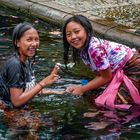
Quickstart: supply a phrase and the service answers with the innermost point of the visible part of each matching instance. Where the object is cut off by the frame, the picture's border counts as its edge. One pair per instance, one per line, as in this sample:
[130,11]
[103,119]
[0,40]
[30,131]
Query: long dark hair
[82,20]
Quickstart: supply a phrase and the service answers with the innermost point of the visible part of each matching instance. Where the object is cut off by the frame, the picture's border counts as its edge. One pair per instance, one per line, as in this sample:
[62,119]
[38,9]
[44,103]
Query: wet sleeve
[15,75]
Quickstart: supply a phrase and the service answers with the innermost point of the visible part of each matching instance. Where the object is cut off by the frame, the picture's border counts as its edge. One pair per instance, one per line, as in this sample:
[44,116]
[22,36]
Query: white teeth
[31,49]
[75,42]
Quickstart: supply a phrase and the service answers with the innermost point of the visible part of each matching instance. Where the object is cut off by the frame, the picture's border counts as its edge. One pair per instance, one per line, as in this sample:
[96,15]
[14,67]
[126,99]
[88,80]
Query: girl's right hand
[75,90]
[70,89]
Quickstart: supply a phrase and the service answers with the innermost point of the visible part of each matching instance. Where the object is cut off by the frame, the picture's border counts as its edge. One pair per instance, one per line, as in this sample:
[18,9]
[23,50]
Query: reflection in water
[58,117]
[22,124]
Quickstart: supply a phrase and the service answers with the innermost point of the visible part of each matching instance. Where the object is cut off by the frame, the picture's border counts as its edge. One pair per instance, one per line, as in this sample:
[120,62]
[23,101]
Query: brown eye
[68,34]
[77,31]
[37,39]
[29,39]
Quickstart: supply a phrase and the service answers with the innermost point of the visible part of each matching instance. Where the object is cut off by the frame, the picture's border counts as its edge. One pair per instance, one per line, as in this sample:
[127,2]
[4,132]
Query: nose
[73,35]
[35,43]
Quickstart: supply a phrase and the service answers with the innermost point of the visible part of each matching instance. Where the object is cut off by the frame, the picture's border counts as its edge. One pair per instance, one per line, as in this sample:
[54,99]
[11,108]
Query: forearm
[26,96]
[95,83]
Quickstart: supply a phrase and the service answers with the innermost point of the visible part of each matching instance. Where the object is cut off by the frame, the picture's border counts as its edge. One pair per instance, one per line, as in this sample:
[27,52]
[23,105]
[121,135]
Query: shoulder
[96,46]
[12,62]
[94,43]
[94,40]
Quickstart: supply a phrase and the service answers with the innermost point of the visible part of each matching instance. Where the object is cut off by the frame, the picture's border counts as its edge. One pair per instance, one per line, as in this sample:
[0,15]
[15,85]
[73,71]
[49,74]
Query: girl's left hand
[52,78]
[55,70]
[75,90]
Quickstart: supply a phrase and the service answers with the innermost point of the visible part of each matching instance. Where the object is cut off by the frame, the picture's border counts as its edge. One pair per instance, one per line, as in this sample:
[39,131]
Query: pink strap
[107,98]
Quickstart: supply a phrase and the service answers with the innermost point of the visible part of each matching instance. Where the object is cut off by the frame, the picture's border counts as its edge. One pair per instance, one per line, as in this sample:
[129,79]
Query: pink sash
[107,98]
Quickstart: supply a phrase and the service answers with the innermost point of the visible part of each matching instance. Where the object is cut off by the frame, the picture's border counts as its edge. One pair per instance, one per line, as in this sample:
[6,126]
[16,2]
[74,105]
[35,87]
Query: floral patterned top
[104,54]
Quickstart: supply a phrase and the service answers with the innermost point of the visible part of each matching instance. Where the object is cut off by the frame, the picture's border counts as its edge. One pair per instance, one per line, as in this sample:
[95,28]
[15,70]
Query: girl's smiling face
[76,35]
[28,44]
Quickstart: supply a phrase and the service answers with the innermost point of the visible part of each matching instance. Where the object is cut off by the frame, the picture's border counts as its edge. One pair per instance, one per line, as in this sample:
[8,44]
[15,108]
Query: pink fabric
[107,98]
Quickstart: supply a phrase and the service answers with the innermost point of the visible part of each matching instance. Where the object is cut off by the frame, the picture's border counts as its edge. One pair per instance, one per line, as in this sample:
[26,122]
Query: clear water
[58,117]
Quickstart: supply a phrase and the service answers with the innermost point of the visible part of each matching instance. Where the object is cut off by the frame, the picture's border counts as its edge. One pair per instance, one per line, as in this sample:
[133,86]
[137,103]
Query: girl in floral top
[116,65]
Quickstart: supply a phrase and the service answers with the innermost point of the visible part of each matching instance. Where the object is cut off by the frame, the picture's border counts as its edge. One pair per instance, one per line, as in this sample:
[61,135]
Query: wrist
[41,85]
[83,88]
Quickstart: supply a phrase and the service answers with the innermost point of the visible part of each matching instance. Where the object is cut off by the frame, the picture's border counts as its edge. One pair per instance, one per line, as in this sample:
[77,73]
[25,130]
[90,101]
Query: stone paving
[124,12]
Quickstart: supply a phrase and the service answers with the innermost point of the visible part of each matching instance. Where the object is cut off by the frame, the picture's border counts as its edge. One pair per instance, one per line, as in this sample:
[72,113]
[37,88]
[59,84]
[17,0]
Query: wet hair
[18,32]
[85,23]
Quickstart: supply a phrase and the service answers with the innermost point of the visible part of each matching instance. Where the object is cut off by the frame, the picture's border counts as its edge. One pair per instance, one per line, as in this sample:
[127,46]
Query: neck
[23,58]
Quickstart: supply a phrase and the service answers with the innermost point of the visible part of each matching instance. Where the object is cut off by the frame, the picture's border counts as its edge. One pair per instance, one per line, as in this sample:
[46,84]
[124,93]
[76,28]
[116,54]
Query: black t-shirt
[15,74]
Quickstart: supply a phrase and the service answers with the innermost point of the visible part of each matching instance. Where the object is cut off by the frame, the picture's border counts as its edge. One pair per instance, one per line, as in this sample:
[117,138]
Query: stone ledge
[56,13]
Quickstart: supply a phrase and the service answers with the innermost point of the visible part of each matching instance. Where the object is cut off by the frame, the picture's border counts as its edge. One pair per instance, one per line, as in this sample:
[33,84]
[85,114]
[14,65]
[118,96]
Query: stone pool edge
[56,14]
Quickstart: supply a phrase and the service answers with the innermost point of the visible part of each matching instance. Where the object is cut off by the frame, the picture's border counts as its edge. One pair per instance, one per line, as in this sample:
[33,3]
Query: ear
[17,43]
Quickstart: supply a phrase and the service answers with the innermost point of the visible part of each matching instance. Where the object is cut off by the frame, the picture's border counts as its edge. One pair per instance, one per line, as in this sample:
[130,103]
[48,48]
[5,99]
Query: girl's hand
[75,90]
[52,91]
[52,78]
[55,69]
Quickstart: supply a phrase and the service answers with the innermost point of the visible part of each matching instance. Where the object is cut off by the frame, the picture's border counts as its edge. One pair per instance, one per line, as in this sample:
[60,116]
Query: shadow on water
[58,117]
